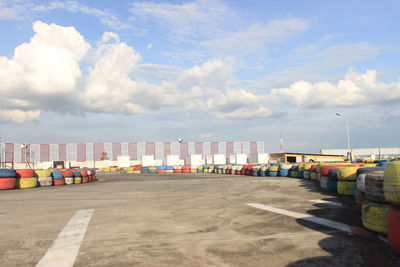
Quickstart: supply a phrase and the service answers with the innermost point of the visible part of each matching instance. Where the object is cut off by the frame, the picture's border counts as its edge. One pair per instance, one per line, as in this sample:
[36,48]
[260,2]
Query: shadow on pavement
[360,248]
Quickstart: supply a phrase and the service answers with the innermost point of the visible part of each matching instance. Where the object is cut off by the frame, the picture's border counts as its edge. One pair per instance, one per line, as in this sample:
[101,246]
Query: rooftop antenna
[281,142]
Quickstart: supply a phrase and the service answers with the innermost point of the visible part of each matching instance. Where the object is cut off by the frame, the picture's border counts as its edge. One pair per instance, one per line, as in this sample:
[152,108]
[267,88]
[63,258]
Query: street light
[348,133]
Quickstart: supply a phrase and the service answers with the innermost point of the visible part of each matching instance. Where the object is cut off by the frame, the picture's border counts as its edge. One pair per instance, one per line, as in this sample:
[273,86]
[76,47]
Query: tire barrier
[25,173]
[374,187]
[27,182]
[283,172]
[393,228]
[391,183]
[43,173]
[361,173]
[332,175]
[59,182]
[374,216]
[314,176]
[69,180]
[347,173]
[345,187]
[45,181]
[8,173]
[8,183]
[331,186]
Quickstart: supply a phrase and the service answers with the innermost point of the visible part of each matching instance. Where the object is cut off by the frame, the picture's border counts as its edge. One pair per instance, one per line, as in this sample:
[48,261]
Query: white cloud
[149,46]
[44,73]
[18,116]
[354,90]
[17,10]
[257,35]
[197,19]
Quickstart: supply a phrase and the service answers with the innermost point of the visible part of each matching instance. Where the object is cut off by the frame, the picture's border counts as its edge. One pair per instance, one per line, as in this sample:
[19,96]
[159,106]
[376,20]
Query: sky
[201,70]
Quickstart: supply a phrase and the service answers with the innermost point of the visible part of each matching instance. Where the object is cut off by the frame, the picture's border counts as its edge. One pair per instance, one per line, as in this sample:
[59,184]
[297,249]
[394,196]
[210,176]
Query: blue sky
[211,70]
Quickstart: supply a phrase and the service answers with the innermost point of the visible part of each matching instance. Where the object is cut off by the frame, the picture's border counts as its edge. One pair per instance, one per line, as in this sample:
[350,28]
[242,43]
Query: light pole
[348,133]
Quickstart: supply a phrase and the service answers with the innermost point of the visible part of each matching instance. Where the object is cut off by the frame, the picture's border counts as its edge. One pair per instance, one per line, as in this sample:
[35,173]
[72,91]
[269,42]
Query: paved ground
[187,220]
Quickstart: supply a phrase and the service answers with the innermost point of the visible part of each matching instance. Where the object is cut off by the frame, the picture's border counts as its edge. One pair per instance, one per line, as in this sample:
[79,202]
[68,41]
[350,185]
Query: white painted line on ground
[329,223]
[66,246]
[320,201]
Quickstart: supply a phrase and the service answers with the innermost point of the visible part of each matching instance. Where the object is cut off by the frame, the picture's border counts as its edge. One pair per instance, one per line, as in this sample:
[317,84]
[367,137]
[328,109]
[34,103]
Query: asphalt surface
[188,220]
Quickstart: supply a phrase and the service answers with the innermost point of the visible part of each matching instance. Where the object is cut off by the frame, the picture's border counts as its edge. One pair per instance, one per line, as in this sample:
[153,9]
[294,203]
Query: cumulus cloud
[42,71]
[354,90]
[45,74]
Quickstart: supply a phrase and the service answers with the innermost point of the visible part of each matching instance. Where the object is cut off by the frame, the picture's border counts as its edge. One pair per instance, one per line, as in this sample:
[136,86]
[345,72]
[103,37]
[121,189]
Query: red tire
[84,173]
[85,179]
[7,183]
[25,173]
[394,228]
[178,171]
[68,174]
[59,181]
[160,171]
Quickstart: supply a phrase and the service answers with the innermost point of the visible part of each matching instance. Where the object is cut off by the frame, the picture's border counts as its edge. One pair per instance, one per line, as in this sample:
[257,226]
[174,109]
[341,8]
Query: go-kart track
[186,220]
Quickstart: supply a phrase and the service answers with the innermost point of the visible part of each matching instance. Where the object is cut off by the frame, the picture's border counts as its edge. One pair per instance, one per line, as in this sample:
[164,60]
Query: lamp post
[348,133]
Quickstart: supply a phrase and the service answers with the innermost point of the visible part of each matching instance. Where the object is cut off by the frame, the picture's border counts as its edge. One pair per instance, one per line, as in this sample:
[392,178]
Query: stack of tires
[211,168]
[152,169]
[137,169]
[58,178]
[186,169]
[84,175]
[300,171]
[144,170]
[254,170]
[391,189]
[8,179]
[161,169]
[206,169]
[193,169]
[284,169]
[44,177]
[375,208]
[200,169]
[347,179]
[77,177]
[169,169]
[177,169]
[328,176]
[273,170]
[26,179]
[68,177]
[307,170]
[314,172]
[294,171]
[262,171]
[361,174]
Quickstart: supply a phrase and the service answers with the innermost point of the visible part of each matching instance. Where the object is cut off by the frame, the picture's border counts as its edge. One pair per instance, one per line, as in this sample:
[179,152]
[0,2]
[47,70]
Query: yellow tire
[43,173]
[137,171]
[374,216]
[307,166]
[391,183]
[113,169]
[106,169]
[27,182]
[193,170]
[347,173]
[129,172]
[273,168]
[77,180]
[205,170]
[345,187]
[314,176]
[301,167]
[294,174]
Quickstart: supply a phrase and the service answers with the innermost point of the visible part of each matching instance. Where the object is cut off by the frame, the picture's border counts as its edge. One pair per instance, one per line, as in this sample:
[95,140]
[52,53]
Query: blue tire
[77,174]
[8,173]
[262,174]
[57,175]
[300,175]
[161,167]
[331,186]
[255,173]
[273,174]
[283,173]
[200,171]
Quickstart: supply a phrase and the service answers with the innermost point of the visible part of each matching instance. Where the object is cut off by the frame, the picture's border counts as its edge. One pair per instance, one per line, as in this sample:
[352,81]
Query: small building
[303,157]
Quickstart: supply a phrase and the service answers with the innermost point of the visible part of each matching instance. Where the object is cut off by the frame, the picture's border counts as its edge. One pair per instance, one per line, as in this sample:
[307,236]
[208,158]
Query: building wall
[365,152]
[87,152]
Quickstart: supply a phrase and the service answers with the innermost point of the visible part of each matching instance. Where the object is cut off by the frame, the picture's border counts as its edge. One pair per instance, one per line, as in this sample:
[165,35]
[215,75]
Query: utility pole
[281,142]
